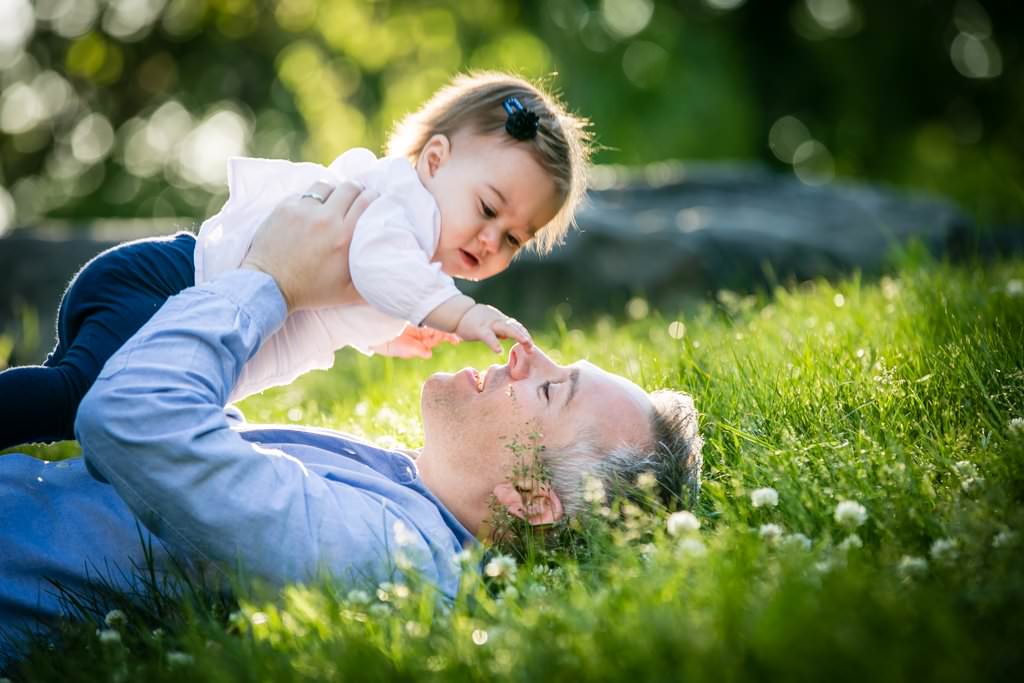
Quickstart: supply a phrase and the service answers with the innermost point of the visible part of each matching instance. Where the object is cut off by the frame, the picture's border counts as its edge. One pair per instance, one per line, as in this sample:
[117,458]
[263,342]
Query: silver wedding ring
[313,195]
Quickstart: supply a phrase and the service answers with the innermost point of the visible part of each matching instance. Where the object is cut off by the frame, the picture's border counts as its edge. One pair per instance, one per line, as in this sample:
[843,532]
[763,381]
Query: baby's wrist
[450,313]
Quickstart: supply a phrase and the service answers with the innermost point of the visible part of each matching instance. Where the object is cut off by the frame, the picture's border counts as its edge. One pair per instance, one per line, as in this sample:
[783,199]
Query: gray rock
[677,232]
[671,232]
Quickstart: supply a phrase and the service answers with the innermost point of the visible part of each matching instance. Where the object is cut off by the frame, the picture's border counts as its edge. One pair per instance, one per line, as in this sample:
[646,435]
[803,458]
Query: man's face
[473,418]
[493,197]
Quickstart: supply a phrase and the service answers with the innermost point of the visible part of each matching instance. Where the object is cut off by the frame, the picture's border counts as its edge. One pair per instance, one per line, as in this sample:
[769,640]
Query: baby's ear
[434,154]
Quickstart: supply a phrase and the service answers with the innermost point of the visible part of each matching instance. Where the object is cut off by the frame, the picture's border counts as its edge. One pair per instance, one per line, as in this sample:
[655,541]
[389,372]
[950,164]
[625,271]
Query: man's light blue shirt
[284,504]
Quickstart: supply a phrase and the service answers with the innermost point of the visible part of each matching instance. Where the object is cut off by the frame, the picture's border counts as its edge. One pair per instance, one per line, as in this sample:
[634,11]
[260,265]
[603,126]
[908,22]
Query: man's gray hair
[673,456]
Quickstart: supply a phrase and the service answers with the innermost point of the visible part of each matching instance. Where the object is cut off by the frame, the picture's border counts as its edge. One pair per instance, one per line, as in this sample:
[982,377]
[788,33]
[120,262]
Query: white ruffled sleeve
[255,187]
[389,258]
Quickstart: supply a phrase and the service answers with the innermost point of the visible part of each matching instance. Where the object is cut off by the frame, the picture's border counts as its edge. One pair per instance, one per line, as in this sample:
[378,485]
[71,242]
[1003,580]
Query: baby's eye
[487,211]
[512,240]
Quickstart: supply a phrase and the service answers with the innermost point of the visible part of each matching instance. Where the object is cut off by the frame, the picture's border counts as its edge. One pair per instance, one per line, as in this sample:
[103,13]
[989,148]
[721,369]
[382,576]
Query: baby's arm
[477,322]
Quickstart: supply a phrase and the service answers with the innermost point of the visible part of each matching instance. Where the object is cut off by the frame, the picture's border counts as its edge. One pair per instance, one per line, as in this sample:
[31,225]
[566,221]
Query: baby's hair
[473,102]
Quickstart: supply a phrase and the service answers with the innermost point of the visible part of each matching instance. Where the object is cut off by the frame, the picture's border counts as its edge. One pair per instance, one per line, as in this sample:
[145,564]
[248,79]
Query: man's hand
[488,324]
[304,245]
[415,342]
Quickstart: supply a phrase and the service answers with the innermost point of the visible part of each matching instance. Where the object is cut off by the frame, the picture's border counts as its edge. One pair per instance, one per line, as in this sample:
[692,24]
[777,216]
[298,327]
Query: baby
[488,166]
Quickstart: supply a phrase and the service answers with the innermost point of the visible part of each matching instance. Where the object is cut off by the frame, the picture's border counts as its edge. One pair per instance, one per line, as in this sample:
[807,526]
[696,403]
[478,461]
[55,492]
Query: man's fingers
[319,192]
[342,195]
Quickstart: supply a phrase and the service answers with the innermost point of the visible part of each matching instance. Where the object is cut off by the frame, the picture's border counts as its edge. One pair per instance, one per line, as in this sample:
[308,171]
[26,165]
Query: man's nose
[518,362]
[521,361]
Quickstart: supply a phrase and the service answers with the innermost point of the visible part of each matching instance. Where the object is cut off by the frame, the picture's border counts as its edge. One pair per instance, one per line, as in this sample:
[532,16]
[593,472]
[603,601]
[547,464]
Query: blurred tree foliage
[129,107]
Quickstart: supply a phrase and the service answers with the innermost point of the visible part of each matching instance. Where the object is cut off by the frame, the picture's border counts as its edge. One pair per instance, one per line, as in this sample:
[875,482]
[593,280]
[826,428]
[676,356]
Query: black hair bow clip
[522,123]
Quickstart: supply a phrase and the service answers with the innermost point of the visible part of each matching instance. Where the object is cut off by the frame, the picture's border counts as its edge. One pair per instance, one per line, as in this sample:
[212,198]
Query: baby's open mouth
[469,259]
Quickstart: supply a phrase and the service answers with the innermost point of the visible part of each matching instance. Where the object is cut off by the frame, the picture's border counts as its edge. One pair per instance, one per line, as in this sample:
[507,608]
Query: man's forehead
[604,392]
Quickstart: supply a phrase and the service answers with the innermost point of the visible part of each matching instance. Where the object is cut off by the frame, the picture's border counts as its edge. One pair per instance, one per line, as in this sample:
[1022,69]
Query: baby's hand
[488,324]
[414,342]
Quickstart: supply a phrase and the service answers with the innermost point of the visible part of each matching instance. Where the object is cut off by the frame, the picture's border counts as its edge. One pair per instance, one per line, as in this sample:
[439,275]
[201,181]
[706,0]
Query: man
[291,504]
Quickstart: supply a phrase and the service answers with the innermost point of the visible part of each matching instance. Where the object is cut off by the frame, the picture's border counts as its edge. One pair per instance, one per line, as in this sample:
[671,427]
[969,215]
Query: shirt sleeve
[389,260]
[153,426]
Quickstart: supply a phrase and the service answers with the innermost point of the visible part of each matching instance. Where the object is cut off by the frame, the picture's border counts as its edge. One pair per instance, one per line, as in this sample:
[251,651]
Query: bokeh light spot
[21,109]
[17,21]
[637,308]
[644,63]
[813,164]
[7,211]
[625,18]
[785,136]
[976,57]
[92,139]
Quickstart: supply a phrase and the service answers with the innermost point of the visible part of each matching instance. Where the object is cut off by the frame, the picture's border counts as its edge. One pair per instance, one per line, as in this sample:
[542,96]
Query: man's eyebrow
[574,383]
[497,192]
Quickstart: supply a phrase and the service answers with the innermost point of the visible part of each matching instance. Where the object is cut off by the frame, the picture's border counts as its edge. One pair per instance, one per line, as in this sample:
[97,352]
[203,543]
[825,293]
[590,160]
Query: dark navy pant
[105,304]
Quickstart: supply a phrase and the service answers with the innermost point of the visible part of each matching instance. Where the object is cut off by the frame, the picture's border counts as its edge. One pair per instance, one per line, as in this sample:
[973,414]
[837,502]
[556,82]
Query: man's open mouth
[481,379]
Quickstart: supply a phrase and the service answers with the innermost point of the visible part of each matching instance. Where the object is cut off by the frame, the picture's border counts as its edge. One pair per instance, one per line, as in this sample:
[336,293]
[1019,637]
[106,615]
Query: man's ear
[434,155]
[536,504]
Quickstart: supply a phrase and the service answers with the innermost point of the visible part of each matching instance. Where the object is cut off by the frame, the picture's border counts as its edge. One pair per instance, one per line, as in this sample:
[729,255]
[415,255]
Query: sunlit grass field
[887,417]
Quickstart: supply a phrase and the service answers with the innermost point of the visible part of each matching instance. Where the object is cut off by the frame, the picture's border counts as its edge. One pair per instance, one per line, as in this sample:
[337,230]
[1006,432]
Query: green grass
[898,394]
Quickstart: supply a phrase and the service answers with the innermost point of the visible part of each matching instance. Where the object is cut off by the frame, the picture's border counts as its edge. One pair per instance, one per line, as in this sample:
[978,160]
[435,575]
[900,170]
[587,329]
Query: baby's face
[493,197]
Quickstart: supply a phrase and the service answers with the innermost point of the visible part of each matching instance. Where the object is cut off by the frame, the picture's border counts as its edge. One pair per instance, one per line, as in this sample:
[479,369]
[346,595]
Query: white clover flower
[681,522]
[379,609]
[400,591]
[593,490]
[1004,538]
[911,566]
[850,513]
[403,535]
[1014,287]
[764,497]
[358,597]
[108,636]
[157,633]
[966,469]
[115,618]
[501,567]
[944,550]
[692,547]
[770,532]
[851,541]
[463,558]
[823,566]
[972,484]
[1016,426]
[796,540]
[647,481]
[175,659]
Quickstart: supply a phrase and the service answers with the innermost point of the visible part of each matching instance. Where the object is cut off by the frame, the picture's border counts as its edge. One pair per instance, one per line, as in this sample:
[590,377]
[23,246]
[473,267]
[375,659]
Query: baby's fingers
[510,328]
[489,338]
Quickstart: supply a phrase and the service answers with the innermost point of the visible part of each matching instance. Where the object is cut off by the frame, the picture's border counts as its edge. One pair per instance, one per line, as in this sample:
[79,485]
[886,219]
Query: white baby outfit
[389,259]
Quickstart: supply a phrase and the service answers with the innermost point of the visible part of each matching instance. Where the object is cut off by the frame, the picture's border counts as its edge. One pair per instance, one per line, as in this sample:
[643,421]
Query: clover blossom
[911,566]
[770,532]
[681,522]
[764,497]
[944,550]
[850,513]
[115,618]
[501,567]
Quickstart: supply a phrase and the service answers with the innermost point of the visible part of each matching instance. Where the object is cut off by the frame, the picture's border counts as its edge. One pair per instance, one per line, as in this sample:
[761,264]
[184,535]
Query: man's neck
[453,496]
